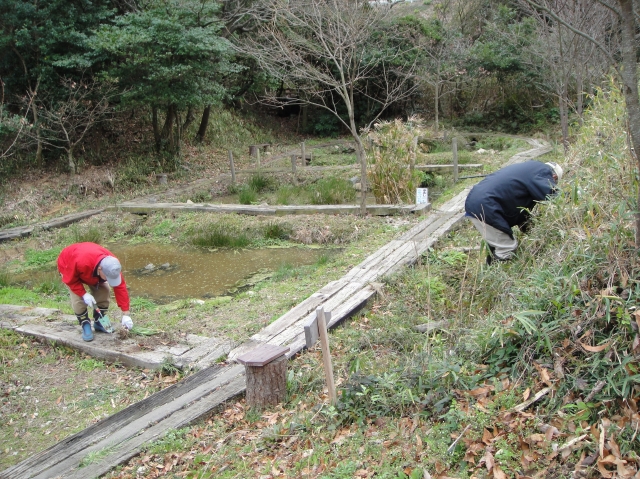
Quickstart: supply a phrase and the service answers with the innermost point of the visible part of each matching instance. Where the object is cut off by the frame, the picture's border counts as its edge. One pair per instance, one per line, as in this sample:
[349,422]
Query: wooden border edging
[24,231]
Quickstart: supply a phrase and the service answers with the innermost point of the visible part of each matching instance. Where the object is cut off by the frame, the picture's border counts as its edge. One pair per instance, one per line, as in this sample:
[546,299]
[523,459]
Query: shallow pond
[165,273]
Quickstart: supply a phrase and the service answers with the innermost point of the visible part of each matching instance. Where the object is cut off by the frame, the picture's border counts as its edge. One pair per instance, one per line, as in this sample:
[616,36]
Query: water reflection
[165,272]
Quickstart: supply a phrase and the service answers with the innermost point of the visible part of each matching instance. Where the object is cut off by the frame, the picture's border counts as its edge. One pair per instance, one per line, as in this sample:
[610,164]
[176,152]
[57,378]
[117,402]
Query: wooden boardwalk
[122,436]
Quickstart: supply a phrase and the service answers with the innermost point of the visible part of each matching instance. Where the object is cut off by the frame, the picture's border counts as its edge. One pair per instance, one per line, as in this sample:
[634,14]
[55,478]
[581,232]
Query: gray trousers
[100,292]
[504,245]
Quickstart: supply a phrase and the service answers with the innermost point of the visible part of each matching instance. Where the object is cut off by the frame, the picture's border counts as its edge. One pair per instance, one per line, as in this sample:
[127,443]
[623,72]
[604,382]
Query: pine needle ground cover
[530,368]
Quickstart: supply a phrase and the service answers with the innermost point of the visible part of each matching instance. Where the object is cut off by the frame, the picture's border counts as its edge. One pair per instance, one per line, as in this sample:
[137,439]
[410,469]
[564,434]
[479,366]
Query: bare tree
[64,124]
[12,123]
[328,53]
[444,51]
[627,17]
[567,57]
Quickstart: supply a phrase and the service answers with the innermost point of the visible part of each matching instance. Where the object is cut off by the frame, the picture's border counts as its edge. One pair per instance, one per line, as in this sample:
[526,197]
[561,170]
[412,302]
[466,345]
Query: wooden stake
[323,319]
[294,160]
[233,169]
[414,147]
[258,157]
[455,159]
[304,156]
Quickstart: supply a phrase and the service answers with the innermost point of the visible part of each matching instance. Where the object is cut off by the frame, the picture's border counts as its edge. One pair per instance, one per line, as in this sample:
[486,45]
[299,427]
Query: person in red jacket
[91,265]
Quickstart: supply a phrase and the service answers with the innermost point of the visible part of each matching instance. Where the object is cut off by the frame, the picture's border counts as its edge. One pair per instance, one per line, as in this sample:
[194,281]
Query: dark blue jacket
[505,198]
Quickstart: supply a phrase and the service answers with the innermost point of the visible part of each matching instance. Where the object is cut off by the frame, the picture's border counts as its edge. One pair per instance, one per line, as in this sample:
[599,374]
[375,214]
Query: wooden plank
[365,275]
[301,310]
[447,168]
[373,259]
[346,309]
[208,350]
[24,231]
[72,339]
[136,444]
[146,208]
[285,335]
[171,398]
[261,355]
[311,333]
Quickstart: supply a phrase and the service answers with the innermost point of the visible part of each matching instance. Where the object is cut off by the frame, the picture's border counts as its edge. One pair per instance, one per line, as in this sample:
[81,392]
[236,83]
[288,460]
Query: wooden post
[266,371]
[414,147]
[233,169]
[258,157]
[304,156]
[294,160]
[323,319]
[455,159]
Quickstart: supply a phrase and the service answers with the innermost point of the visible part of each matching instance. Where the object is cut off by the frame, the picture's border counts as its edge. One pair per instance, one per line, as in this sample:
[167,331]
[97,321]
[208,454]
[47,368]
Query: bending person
[504,199]
[91,265]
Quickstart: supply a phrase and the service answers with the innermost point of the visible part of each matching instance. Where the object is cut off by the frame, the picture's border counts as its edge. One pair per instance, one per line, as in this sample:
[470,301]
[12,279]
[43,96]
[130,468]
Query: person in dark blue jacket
[504,199]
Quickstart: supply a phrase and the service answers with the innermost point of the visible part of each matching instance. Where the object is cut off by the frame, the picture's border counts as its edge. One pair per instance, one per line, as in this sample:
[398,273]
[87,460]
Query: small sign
[422,196]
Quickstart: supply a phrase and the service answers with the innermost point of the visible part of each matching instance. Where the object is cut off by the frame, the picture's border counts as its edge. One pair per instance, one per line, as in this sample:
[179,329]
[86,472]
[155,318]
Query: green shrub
[260,183]
[41,258]
[392,151]
[331,191]
[134,172]
[277,231]
[92,234]
[286,194]
[50,283]
[495,143]
[5,279]
[247,196]
[219,236]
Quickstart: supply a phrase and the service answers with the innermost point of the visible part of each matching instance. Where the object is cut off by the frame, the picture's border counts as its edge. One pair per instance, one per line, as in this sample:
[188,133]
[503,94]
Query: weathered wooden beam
[60,222]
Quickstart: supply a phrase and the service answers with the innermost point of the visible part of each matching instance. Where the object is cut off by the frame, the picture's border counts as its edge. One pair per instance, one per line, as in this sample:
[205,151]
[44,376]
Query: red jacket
[78,264]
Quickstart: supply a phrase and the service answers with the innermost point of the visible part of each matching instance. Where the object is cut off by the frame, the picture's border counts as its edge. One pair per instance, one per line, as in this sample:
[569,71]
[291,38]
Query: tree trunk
[436,105]
[564,117]
[167,128]
[204,123]
[178,134]
[630,80]
[580,93]
[39,159]
[360,153]
[267,385]
[437,99]
[70,162]
[189,119]
[157,136]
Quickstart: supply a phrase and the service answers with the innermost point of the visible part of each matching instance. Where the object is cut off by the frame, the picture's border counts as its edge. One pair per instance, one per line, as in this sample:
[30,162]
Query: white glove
[88,299]
[126,322]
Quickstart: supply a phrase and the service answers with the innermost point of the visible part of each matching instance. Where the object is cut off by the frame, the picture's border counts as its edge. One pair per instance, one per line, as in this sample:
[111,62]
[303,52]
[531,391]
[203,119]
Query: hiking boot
[87,334]
[97,325]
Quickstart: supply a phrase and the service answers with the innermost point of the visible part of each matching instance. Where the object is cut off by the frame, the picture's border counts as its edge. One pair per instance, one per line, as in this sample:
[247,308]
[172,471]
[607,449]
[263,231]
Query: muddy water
[165,273]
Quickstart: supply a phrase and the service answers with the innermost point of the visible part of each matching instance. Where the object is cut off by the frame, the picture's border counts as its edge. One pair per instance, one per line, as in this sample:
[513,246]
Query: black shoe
[97,325]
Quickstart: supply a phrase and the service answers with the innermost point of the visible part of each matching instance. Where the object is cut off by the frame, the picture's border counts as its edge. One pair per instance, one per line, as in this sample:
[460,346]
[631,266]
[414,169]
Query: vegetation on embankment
[532,369]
